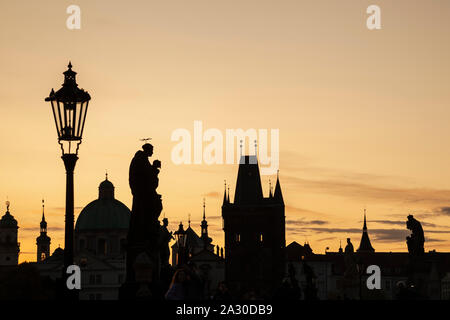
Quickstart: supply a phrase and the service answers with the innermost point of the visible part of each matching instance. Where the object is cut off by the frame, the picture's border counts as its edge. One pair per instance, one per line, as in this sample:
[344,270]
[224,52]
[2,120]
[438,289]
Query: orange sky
[363,115]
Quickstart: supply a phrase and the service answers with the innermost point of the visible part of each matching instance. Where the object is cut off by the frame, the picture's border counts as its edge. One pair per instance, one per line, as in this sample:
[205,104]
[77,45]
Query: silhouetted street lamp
[69,106]
[180,235]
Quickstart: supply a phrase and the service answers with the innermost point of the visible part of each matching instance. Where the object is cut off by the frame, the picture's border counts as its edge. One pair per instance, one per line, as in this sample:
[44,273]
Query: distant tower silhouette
[226,199]
[365,245]
[43,241]
[204,226]
[254,229]
[9,247]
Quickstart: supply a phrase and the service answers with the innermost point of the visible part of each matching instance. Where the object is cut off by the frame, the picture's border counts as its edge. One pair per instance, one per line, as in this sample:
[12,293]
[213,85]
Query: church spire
[270,189]
[225,193]
[43,241]
[365,224]
[204,214]
[43,222]
[204,228]
[278,194]
[365,245]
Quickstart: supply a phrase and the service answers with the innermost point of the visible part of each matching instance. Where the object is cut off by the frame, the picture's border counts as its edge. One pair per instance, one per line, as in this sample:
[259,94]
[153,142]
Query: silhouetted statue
[416,240]
[349,247]
[166,237]
[144,240]
[351,270]
[350,261]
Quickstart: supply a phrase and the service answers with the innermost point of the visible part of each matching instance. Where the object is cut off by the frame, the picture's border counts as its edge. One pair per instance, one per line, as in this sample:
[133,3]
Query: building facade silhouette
[254,228]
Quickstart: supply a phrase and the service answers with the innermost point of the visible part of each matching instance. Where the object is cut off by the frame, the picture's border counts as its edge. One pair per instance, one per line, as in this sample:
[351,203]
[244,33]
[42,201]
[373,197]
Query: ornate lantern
[69,106]
[180,235]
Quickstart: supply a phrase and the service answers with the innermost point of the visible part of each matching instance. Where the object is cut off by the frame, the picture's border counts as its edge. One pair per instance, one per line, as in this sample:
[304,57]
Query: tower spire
[43,241]
[365,224]
[270,189]
[204,214]
[365,245]
[204,228]
[278,194]
[43,209]
[225,192]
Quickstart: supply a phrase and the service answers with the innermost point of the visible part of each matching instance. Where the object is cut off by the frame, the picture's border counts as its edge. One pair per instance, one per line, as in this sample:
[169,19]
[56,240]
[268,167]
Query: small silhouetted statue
[349,247]
[349,259]
[351,270]
[416,240]
[144,239]
[166,237]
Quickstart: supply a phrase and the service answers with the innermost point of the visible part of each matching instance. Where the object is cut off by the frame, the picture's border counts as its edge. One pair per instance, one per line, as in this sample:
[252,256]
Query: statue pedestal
[143,275]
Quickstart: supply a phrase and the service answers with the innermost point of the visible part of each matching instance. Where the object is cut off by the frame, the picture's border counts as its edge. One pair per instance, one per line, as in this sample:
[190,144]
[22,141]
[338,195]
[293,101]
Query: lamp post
[69,107]
[180,235]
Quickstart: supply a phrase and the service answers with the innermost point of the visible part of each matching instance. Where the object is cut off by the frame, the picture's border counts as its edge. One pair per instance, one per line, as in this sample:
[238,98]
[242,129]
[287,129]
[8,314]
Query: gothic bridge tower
[254,229]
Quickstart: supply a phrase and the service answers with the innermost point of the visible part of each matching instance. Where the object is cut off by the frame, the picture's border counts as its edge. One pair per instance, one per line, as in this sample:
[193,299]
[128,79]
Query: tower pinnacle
[204,215]
[365,245]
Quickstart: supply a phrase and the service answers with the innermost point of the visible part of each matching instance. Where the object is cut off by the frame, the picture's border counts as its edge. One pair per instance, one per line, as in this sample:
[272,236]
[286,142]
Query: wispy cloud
[403,223]
[371,192]
[296,210]
[327,239]
[304,222]
[443,211]
[212,194]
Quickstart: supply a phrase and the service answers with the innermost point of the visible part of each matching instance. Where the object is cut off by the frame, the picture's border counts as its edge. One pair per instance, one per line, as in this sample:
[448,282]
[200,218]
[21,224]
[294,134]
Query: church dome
[105,213]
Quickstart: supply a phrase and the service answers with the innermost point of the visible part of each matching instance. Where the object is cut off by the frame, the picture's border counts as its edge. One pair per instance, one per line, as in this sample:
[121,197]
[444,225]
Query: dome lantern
[106,189]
